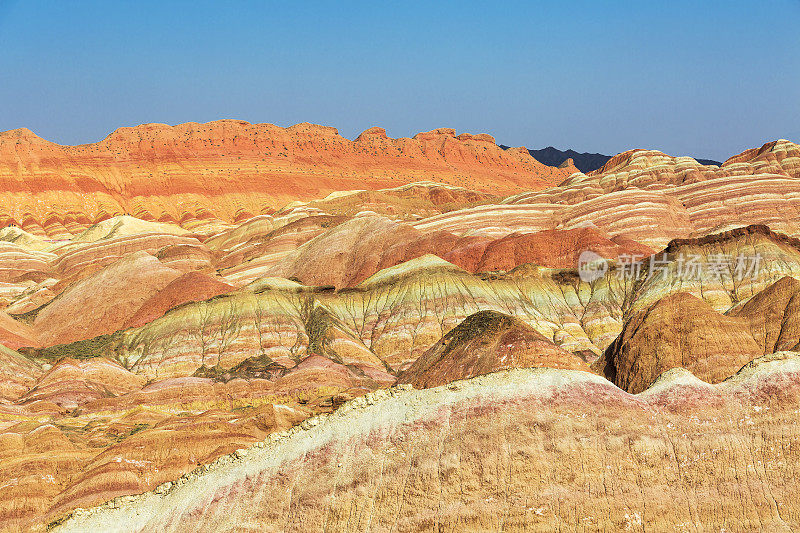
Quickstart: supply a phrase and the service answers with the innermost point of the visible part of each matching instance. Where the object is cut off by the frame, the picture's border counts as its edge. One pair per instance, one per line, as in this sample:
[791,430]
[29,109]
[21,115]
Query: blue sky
[691,78]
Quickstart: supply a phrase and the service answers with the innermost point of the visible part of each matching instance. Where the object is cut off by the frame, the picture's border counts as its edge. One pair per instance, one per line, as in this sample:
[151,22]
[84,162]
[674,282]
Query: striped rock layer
[189,306]
[652,198]
[231,169]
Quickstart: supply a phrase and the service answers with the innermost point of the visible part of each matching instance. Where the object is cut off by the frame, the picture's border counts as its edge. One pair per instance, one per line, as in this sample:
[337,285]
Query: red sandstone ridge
[352,251]
[104,302]
[374,132]
[229,168]
[553,248]
[191,287]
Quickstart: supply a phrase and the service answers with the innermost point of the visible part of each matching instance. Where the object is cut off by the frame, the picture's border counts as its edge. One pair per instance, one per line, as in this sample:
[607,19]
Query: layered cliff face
[231,170]
[215,308]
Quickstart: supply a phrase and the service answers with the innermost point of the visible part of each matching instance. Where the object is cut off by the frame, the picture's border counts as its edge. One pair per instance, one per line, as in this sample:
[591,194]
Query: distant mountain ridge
[233,170]
[585,162]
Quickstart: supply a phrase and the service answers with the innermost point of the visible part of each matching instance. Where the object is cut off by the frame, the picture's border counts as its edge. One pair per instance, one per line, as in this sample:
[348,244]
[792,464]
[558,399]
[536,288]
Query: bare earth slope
[521,450]
[483,343]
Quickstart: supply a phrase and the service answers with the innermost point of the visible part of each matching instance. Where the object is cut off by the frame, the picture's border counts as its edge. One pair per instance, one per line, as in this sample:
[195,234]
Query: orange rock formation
[231,169]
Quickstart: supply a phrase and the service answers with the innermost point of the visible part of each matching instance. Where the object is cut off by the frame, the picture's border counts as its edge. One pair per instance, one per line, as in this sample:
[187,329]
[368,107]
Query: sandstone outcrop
[774,316]
[483,343]
[683,331]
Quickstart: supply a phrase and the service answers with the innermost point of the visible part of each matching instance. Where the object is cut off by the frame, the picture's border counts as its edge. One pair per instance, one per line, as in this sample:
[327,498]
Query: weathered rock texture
[483,343]
[773,316]
[103,302]
[231,169]
[678,331]
[652,198]
[525,450]
[165,300]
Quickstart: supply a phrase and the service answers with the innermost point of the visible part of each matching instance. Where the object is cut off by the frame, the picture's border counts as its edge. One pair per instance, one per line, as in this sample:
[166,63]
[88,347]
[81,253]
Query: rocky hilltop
[583,161]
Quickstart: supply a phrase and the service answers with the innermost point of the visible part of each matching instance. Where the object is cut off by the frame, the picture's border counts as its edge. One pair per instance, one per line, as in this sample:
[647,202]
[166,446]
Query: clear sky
[700,78]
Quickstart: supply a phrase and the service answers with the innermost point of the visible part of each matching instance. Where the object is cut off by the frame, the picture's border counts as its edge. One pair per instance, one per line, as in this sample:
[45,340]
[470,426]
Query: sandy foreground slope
[526,449]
